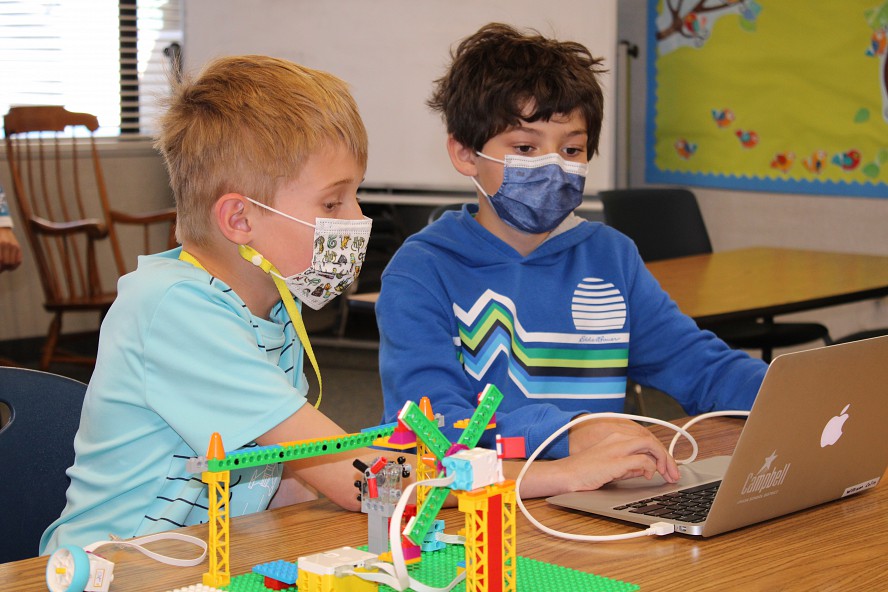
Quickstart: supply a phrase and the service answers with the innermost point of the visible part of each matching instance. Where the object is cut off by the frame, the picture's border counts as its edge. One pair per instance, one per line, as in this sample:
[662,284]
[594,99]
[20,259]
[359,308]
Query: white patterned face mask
[339,250]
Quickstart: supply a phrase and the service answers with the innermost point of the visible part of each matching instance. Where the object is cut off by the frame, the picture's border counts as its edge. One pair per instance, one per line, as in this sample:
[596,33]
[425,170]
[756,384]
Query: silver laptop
[816,433]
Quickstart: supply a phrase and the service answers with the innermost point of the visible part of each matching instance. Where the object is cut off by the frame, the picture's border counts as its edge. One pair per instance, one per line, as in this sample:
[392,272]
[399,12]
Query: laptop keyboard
[687,505]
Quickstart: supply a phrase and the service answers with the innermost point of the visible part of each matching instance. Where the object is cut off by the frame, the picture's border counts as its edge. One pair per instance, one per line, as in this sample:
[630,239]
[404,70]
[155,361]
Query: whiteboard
[390,52]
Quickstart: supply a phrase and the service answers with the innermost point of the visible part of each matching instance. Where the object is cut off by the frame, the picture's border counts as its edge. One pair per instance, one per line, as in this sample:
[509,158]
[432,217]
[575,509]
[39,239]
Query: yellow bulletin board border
[769,95]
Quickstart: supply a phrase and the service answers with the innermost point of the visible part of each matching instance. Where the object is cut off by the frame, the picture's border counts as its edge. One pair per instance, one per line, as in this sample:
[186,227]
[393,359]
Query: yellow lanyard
[253,256]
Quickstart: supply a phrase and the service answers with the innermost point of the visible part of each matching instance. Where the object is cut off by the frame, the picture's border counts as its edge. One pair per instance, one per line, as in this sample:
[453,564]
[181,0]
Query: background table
[759,281]
[837,546]
[767,281]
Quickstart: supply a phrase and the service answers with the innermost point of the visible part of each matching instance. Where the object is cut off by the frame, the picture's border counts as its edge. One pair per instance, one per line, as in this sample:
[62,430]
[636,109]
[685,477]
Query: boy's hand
[619,456]
[591,432]
[10,251]
[613,450]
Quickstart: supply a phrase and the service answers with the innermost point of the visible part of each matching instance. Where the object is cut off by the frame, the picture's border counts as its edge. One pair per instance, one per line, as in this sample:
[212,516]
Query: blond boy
[265,158]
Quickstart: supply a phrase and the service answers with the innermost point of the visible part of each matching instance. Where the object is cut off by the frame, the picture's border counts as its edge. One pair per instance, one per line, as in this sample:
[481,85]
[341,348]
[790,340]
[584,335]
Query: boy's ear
[230,214]
[462,157]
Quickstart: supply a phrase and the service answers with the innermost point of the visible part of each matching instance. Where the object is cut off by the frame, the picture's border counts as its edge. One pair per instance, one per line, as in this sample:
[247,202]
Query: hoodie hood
[459,234]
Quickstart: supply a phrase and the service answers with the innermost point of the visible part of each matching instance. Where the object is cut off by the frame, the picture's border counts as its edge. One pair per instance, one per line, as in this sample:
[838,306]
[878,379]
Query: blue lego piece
[431,545]
[252,582]
[280,570]
[463,471]
[431,542]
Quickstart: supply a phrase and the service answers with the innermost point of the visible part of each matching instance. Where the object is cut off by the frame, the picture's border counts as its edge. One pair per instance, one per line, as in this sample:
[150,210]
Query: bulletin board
[769,95]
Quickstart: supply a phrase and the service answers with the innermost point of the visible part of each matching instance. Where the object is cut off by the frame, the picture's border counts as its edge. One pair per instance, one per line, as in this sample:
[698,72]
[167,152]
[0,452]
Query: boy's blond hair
[247,124]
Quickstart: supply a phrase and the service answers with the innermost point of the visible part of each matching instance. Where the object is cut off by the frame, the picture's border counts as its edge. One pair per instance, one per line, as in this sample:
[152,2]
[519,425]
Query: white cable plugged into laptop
[698,419]
[656,529]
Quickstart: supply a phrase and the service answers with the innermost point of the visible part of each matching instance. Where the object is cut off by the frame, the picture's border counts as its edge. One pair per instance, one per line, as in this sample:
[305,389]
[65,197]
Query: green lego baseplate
[438,568]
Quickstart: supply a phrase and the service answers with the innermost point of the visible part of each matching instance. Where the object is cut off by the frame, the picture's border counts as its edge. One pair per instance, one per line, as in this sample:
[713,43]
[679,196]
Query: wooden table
[767,281]
[837,546]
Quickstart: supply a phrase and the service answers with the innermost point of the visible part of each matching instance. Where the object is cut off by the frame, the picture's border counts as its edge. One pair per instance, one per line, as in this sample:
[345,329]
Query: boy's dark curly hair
[498,72]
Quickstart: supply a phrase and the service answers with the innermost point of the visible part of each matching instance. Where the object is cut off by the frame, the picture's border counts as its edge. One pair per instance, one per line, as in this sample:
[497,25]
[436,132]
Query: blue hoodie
[557,331]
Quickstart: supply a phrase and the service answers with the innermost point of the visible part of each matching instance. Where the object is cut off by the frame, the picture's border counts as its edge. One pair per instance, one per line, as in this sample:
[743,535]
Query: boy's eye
[573,151]
[524,149]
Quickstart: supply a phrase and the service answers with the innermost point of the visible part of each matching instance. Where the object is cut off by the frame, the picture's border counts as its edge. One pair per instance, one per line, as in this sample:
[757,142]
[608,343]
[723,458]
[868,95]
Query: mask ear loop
[254,257]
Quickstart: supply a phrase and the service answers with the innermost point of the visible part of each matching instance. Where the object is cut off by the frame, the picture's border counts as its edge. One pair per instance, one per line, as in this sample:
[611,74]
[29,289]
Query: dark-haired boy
[519,292]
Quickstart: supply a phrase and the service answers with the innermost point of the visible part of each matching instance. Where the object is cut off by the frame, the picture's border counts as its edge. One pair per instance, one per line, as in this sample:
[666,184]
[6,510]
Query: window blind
[111,58]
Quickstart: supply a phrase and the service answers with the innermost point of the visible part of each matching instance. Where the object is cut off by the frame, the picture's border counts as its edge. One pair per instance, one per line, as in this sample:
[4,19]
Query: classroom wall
[137,181]
[738,219]
[390,52]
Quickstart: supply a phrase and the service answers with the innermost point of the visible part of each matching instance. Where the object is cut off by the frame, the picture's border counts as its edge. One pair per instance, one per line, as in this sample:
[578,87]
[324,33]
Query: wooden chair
[59,187]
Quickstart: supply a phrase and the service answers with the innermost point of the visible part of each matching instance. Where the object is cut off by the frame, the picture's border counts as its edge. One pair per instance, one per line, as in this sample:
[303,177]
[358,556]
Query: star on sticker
[768,461]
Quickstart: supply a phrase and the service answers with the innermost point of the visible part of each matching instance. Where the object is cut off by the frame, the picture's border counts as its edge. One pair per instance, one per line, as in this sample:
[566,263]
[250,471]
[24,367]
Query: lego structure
[486,498]
[216,466]
[428,432]
[425,460]
[380,490]
[485,557]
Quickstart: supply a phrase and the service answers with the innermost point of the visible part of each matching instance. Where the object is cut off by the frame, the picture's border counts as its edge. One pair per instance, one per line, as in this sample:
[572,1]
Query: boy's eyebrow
[520,128]
[343,181]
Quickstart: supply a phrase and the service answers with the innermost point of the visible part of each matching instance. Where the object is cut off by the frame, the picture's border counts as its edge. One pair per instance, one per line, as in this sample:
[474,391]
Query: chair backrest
[36,448]
[439,210]
[60,190]
[664,223]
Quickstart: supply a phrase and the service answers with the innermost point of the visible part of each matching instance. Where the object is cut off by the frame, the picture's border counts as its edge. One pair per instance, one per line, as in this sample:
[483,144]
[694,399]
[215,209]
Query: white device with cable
[79,569]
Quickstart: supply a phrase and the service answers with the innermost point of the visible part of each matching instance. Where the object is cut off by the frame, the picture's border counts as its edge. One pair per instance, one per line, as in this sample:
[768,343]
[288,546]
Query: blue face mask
[538,192]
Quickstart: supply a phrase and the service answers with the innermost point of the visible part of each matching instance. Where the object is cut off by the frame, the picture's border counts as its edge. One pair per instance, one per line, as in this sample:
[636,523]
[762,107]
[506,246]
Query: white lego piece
[474,468]
[327,562]
[197,588]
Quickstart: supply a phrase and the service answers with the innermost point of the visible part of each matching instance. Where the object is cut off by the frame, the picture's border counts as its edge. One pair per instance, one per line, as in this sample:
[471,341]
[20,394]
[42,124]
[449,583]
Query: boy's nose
[352,210]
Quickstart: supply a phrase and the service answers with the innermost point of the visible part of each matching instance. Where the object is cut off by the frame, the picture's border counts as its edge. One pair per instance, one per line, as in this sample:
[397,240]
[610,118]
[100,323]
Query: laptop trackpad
[695,473]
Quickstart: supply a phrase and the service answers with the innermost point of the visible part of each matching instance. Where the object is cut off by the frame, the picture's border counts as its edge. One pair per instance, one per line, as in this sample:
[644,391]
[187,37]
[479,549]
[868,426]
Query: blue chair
[36,448]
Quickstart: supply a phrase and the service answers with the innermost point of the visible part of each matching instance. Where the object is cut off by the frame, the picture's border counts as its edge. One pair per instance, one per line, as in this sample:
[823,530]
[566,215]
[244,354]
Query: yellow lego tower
[219,573]
[490,537]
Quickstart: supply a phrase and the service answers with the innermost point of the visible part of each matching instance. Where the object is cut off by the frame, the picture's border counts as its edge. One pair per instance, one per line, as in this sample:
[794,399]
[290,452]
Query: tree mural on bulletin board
[771,95]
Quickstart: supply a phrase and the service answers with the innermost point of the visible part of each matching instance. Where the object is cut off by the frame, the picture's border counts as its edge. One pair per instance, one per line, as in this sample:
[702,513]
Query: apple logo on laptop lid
[833,429]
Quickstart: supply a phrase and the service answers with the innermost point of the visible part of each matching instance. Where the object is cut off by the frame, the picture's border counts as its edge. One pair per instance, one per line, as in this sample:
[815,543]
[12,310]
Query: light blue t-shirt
[180,357]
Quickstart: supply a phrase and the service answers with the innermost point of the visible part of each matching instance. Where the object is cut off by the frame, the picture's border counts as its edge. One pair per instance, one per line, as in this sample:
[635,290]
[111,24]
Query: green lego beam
[304,449]
[491,397]
[425,429]
[490,400]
